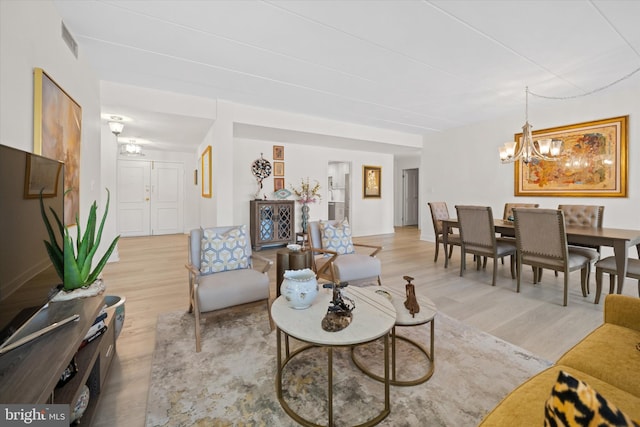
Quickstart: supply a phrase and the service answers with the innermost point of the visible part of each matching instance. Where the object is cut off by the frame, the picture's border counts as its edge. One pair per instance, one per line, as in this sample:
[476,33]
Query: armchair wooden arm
[267,261]
[326,269]
[374,253]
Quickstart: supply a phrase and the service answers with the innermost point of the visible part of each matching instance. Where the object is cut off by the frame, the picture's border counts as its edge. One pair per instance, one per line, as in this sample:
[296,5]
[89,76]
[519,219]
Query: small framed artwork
[278,152]
[278,184]
[371,182]
[41,175]
[278,168]
[206,172]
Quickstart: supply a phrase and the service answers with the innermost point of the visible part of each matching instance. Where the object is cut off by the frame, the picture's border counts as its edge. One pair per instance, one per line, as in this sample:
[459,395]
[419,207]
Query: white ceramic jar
[299,288]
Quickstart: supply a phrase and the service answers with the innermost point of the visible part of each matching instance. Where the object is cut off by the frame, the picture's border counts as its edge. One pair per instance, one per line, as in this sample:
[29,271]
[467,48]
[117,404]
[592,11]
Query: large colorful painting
[57,127]
[593,162]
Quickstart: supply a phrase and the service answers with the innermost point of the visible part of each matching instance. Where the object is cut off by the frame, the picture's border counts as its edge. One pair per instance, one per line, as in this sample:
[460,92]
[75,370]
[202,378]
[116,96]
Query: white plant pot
[299,288]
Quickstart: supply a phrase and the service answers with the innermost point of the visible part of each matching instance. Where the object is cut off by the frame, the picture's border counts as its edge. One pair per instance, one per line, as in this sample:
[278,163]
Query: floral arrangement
[306,193]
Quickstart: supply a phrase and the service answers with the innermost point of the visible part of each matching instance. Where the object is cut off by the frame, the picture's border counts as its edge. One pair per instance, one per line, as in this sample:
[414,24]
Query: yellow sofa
[608,360]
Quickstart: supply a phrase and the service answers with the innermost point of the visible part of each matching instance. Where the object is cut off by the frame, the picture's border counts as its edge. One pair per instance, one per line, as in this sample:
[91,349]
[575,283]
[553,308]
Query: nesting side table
[287,259]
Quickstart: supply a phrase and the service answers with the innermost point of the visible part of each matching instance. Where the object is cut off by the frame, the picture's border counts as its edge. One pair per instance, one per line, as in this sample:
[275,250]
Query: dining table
[617,238]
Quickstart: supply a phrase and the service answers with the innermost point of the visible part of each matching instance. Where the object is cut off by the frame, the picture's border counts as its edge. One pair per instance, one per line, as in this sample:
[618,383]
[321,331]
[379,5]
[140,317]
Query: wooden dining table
[617,238]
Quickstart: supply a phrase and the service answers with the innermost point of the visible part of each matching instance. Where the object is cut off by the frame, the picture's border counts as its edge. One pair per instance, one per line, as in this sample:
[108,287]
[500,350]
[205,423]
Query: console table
[29,373]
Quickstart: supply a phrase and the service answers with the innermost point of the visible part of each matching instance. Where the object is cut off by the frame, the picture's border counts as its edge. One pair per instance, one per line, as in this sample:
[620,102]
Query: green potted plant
[73,263]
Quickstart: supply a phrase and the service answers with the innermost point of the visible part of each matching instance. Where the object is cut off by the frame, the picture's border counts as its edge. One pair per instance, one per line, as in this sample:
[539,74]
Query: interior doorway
[150,198]
[410,191]
[339,185]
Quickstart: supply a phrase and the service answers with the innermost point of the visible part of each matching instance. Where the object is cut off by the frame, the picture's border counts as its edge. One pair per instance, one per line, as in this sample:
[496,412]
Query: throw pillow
[223,251]
[337,237]
[575,403]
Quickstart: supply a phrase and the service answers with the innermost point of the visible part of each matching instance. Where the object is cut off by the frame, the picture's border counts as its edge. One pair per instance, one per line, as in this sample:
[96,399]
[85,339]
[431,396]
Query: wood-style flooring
[152,277]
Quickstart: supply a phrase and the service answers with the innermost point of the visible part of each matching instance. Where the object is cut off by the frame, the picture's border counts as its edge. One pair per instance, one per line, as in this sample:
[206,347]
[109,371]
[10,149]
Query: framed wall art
[206,172]
[371,182]
[278,152]
[278,168]
[278,184]
[57,132]
[41,175]
[592,163]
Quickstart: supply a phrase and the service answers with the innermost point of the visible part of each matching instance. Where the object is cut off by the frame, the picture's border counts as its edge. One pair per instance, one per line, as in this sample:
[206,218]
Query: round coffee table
[373,317]
[426,314]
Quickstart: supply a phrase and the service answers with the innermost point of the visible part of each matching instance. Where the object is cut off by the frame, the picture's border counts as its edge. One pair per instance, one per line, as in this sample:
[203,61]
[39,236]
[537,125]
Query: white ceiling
[407,65]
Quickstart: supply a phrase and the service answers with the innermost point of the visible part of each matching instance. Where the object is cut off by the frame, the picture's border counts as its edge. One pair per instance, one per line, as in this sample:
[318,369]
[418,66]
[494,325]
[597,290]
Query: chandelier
[526,149]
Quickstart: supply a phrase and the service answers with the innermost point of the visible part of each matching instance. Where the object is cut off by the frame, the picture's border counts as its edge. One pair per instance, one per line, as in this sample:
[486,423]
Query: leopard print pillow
[575,403]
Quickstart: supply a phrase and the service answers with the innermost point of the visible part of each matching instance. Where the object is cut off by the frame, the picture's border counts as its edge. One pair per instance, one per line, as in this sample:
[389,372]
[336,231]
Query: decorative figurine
[339,314]
[411,303]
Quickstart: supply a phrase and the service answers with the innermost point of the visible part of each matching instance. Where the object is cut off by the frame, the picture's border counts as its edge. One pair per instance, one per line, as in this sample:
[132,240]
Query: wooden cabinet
[30,373]
[272,223]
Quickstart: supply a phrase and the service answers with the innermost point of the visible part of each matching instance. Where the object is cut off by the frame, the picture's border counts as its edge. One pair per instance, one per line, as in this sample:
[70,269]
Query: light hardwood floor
[152,277]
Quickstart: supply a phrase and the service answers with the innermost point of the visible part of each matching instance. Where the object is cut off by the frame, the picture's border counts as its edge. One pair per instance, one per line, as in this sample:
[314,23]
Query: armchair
[221,272]
[334,257]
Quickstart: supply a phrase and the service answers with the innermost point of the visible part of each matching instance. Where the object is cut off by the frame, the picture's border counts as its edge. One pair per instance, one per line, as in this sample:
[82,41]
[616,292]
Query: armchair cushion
[337,237]
[223,251]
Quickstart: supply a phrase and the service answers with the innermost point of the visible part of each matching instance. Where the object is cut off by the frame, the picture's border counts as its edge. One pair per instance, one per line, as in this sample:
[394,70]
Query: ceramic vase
[305,217]
[299,288]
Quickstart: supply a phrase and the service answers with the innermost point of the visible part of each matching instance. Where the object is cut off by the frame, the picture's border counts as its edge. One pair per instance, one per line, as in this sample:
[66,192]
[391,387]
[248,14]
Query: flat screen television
[28,279]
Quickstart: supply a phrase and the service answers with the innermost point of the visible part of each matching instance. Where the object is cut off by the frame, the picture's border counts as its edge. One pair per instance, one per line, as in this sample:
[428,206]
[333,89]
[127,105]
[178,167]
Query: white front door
[166,198]
[150,197]
[134,195]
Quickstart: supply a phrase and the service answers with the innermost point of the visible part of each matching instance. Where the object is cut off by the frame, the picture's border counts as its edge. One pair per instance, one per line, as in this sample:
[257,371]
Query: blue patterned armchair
[221,272]
[334,254]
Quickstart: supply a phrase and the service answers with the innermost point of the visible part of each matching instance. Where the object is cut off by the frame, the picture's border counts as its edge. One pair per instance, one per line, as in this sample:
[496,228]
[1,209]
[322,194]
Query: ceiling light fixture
[116,126]
[527,149]
[131,149]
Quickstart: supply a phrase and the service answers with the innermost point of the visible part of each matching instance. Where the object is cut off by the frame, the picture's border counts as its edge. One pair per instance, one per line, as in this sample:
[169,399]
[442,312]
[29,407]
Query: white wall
[30,37]
[367,217]
[461,166]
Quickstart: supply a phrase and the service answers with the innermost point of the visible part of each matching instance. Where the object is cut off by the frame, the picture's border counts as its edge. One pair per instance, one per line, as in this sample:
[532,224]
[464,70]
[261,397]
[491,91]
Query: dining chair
[334,255]
[507,215]
[584,216]
[439,211]
[478,237]
[542,243]
[221,272]
[608,265]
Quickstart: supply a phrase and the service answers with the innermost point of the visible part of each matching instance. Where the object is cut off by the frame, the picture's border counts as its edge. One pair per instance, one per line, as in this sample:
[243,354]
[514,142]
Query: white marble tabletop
[403,317]
[374,315]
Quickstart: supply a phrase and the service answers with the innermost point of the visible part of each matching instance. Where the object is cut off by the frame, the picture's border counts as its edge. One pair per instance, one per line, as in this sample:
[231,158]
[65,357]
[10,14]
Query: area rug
[231,382]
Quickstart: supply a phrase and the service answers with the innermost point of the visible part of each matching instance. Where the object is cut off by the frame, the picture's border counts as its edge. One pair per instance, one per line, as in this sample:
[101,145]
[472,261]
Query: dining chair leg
[598,286]
[518,273]
[512,260]
[435,258]
[463,257]
[583,281]
[566,288]
[495,271]
[450,251]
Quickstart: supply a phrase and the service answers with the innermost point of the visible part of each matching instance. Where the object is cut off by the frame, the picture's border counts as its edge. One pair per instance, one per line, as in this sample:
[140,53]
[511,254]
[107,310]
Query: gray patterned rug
[231,382]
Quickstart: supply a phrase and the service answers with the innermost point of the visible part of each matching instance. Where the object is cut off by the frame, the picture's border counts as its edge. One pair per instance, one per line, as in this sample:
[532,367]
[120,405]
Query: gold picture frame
[371,182]
[57,134]
[593,162]
[278,152]
[278,168]
[206,172]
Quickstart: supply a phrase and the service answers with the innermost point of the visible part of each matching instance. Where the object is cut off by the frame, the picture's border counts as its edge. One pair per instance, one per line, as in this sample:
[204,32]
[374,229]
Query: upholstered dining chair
[542,243]
[221,272]
[334,256]
[439,211]
[584,216]
[478,237]
[507,215]
[608,265]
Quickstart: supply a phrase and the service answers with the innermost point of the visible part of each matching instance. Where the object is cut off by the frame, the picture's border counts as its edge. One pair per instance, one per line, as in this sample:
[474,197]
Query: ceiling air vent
[68,39]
